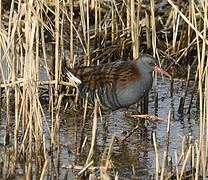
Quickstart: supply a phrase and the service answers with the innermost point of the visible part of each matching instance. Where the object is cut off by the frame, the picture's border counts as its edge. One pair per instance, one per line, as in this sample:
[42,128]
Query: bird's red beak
[161,71]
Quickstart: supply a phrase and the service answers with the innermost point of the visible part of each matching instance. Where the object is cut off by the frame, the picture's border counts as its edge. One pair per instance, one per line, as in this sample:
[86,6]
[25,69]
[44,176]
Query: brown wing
[95,77]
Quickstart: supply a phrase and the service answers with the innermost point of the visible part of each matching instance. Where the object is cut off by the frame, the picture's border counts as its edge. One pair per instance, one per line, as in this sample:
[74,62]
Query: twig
[85,168]
[128,134]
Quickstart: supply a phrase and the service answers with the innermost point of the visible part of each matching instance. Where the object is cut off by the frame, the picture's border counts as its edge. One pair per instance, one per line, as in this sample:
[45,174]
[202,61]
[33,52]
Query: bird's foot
[144,116]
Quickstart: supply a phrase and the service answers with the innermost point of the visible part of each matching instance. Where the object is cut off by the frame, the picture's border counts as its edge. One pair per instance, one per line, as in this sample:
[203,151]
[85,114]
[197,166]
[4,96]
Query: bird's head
[150,64]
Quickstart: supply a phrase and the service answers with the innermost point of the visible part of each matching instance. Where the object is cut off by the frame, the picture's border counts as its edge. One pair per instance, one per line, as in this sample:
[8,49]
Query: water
[138,150]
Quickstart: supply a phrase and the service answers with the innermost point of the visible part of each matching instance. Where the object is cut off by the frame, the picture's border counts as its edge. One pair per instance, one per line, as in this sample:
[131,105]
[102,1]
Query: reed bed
[37,37]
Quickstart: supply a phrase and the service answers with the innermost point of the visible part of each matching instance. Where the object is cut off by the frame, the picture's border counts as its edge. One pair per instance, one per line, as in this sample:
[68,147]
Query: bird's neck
[143,69]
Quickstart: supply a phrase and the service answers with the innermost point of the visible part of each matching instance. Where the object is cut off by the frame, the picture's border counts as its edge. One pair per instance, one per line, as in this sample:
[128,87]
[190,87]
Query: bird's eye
[152,63]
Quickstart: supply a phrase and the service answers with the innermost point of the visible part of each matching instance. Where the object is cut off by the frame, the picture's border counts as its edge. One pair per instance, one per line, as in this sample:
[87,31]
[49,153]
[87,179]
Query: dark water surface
[138,150]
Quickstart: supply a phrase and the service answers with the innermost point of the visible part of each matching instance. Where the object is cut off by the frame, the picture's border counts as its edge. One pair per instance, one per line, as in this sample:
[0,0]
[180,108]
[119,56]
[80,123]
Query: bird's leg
[144,104]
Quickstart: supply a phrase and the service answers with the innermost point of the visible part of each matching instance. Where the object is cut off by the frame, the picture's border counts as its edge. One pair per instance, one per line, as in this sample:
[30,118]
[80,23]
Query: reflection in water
[138,151]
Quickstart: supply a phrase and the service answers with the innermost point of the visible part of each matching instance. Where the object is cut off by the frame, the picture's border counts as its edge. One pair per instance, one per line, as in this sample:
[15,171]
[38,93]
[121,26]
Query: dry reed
[94,32]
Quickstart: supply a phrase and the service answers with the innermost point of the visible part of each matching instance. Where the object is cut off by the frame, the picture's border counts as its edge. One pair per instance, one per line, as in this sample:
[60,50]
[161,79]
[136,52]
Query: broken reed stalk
[147,32]
[71,33]
[87,166]
[175,29]
[43,172]
[113,23]
[94,129]
[188,153]
[193,159]
[154,36]
[16,129]
[99,19]
[197,173]
[154,46]
[109,153]
[82,139]
[176,166]
[166,149]
[27,89]
[84,14]
[134,31]
[157,165]
[205,165]
[163,165]
[94,5]
[193,91]
[57,64]
[88,33]
[183,98]
[106,158]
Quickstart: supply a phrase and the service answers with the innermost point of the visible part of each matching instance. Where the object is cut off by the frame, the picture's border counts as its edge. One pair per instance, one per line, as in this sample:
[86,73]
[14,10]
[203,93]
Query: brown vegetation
[37,36]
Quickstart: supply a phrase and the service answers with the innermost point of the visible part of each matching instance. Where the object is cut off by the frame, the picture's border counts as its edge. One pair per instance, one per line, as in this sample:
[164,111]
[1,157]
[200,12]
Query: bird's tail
[71,76]
[68,74]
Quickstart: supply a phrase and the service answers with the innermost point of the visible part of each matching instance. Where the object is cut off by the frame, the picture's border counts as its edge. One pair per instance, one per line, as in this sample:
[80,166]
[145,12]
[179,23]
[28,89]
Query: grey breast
[135,91]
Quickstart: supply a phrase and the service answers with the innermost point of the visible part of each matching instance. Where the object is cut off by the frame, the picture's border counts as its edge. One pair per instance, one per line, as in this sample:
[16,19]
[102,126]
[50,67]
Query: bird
[117,84]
